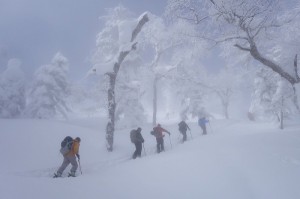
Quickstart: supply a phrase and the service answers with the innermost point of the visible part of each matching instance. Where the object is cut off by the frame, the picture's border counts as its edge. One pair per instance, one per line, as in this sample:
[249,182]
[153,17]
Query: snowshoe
[71,175]
[56,175]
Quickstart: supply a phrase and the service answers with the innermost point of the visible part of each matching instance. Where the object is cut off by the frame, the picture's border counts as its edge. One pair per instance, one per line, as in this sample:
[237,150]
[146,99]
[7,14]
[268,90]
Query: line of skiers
[70,146]
[138,140]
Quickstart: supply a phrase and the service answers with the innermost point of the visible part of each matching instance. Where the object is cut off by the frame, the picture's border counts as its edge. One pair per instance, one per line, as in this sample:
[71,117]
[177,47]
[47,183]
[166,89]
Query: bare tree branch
[275,67]
[139,26]
[242,48]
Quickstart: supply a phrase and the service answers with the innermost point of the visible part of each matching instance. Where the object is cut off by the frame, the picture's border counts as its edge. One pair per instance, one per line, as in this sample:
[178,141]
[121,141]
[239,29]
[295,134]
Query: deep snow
[236,160]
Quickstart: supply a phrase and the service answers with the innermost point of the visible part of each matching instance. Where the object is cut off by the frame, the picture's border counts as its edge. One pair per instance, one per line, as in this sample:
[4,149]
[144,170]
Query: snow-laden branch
[275,67]
[142,20]
[242,48]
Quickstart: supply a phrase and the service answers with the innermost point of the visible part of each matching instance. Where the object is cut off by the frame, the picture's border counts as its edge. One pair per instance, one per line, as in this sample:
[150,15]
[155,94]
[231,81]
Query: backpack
[155,132]
[182,126]
[66,145]
[133,136]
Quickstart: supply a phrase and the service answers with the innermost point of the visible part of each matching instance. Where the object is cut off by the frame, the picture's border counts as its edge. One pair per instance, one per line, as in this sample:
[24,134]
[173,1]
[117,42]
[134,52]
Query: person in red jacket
[158,133]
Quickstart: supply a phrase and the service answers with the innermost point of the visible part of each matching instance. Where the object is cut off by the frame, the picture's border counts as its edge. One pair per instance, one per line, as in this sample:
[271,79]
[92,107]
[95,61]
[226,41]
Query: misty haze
[164,99]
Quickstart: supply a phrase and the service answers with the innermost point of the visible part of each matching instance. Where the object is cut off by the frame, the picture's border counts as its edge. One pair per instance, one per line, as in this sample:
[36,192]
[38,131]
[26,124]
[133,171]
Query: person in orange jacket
[70,157]
[158,133]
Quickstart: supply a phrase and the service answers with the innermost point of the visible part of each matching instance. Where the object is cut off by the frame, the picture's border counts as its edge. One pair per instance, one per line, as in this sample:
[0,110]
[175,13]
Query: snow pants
[184,135]
[138,150]
[203,127]
[160,144]
[66,162]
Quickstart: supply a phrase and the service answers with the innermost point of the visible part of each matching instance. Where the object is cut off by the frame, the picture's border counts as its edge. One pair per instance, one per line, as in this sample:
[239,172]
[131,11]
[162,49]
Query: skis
[69,175]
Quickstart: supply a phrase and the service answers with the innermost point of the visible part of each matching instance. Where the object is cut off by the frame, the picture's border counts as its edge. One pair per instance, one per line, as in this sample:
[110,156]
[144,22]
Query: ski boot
[72,174]
[56,175]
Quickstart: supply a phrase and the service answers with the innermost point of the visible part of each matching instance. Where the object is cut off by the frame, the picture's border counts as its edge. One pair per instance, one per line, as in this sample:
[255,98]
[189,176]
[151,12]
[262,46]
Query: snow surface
[236,160]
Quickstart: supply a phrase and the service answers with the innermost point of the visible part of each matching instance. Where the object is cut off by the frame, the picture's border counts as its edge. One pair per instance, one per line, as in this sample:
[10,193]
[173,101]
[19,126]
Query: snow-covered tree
[130,112]
[272,97]
[225,85]
[114,43]
[12,90]
[190,86]
[168,47]
[85,99]
[249,25]
[49,90]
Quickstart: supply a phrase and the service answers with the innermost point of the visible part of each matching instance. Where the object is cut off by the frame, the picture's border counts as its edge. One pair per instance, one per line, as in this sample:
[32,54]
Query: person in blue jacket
[202,119]
[202,123]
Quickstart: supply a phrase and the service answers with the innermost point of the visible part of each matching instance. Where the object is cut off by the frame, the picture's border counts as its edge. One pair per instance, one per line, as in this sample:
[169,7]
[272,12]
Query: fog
[34,30]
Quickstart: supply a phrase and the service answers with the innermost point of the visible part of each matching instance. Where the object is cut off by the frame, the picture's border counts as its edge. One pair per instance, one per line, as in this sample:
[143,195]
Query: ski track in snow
[89,168]
[100,166]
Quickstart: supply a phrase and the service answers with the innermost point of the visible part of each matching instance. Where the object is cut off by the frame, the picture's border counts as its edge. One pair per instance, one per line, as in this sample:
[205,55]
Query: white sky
[34,30]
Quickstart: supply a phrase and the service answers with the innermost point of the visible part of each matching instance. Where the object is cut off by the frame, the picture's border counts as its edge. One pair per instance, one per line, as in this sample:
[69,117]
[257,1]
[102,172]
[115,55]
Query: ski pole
[191,134]
[144,149]
[210,127]
[179,136]
[79,166]
[170,141]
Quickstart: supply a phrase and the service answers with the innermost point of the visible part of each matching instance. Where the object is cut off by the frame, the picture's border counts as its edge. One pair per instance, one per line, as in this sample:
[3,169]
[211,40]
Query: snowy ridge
[235,160]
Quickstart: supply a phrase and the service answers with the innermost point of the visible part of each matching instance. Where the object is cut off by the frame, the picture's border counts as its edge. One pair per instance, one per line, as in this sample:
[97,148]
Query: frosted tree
[225,85]
[130,112]
[12,90]
[272,97]
[85,99]
[190,82]
[114,43]
[158,38]
[164,41]
[49,90]
[282,101]
[246,24]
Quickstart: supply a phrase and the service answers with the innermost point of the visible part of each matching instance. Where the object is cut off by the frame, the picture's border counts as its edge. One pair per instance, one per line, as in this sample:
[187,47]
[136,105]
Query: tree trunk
[281,114]
[154,101]
[110,127]
[281,119]
[225,109]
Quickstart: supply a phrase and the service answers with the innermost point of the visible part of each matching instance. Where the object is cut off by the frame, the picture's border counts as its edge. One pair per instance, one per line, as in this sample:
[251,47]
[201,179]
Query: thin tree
[110,127]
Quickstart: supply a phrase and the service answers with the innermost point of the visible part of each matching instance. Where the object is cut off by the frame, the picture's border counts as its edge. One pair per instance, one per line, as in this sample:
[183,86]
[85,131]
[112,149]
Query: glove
[78,156]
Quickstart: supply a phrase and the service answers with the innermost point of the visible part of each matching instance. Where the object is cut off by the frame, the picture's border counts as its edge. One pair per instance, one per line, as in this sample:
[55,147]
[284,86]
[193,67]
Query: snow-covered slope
[236,160]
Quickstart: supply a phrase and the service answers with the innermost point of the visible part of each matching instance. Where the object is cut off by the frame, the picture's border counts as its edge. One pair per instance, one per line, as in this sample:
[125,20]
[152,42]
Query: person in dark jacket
[183,127]
[137,139]
[158,133]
